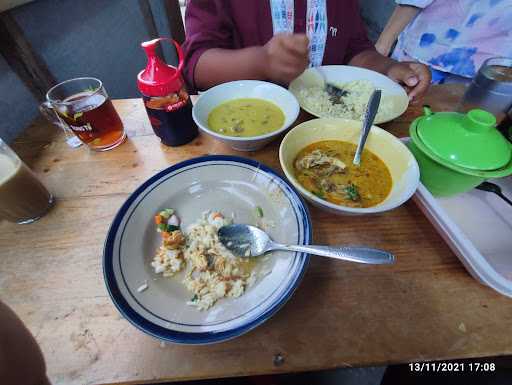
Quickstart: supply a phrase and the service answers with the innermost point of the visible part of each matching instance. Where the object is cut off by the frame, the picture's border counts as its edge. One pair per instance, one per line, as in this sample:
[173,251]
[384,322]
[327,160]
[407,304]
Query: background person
[452,37]
[277,40]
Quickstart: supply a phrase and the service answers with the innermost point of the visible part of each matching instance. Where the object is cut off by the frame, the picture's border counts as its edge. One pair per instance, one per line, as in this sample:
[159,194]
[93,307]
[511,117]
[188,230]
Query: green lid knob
[479,121]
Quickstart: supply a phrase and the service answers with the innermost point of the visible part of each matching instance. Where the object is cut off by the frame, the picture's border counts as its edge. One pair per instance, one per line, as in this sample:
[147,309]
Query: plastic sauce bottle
[165,96]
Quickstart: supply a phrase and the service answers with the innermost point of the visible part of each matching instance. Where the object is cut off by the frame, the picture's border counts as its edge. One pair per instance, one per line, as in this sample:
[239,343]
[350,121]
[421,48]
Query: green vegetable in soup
[246,117]
[352,192]
[319,194]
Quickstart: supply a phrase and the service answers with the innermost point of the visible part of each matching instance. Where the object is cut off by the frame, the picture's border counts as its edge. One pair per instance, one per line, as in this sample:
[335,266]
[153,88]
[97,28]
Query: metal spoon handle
[345,253]
[369,117]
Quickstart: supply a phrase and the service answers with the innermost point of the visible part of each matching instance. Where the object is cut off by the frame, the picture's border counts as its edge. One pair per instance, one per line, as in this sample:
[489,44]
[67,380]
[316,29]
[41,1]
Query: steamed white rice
[211,271]
[352,106]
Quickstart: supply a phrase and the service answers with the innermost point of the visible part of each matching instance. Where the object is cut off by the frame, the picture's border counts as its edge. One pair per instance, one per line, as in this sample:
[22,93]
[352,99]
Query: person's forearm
[372,60]
[219,65]
[400,18]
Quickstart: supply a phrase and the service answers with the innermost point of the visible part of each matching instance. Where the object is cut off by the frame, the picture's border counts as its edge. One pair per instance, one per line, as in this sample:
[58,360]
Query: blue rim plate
[235,186]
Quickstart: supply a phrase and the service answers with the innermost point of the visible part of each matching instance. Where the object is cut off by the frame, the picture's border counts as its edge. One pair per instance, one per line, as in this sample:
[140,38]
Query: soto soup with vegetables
[246,117]
[325,168]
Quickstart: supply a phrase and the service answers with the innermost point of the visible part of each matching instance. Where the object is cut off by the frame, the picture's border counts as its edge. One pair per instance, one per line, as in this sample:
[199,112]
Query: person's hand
[286,57]
[415,77]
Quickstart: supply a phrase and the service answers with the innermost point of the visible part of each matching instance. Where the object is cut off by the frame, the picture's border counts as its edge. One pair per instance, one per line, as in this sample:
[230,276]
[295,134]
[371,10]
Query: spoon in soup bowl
[249,241]
[369,118]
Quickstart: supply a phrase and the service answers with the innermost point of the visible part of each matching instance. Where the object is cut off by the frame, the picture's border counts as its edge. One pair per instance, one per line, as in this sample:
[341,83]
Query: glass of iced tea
[23,198]
[84,106]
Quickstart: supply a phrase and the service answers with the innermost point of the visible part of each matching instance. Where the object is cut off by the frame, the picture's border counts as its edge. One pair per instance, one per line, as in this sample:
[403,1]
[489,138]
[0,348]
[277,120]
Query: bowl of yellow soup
[317,155]
[245,114]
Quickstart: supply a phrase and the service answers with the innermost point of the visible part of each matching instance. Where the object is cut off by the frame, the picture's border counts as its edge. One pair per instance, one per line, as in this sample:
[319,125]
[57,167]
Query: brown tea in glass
[84,106]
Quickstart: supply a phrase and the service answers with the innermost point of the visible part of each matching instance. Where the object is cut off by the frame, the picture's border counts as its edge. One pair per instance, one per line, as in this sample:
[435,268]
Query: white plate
[344,74]
[230,185]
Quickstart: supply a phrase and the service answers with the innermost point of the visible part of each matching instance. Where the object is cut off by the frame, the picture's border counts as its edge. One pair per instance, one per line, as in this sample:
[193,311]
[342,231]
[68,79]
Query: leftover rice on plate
[353,104]
[211,271]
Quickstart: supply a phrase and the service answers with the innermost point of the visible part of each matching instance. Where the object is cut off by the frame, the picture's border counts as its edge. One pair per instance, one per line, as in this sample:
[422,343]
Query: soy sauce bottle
[165,97]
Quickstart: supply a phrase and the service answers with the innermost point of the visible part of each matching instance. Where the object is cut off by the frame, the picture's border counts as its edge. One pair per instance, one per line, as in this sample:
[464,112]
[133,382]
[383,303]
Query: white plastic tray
[478,228]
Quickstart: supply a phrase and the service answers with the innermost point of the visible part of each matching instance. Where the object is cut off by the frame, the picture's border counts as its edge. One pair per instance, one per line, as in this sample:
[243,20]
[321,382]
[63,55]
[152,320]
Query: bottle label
[172,123]
[176,106]
[171,102]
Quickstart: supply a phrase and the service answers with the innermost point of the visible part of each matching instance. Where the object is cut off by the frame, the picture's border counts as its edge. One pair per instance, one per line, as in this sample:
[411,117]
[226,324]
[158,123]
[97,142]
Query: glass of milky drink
[83,106]
[23,198]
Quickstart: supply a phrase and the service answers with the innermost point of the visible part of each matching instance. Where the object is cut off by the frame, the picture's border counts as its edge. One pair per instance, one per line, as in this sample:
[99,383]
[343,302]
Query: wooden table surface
[424,307]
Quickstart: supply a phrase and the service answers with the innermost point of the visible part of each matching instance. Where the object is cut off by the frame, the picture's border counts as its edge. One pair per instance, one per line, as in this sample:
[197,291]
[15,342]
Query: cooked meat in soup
[325,169]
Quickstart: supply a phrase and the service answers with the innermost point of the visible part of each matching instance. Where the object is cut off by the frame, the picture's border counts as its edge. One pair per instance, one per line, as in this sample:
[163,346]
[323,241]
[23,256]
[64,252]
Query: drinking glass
[23,198]
[491,88]
[71,139]
[83,106]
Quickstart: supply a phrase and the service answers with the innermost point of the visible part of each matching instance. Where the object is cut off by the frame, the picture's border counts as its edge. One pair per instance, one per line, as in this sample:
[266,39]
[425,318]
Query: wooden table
[425,307]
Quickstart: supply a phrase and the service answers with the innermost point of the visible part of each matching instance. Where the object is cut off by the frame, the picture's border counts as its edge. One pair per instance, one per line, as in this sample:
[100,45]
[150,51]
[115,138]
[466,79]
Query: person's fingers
[402,73]
[424,78]
[411,80]
[414,76]
[293,62]
[297,44]
[288,56]
[288,73]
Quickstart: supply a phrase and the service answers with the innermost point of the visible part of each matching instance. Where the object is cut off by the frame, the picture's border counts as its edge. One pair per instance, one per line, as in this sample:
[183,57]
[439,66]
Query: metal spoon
[494,188]
[248,241]
[335,92]
[369,117]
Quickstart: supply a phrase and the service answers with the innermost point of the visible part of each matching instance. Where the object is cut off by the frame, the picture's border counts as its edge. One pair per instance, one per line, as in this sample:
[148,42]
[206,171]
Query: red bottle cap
[159,78]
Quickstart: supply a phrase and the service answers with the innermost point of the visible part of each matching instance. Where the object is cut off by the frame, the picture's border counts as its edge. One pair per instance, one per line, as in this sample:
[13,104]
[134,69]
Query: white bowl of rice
[359,83]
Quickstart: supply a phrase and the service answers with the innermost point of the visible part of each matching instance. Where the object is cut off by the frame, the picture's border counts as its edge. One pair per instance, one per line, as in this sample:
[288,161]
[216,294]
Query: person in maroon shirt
[233,39]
